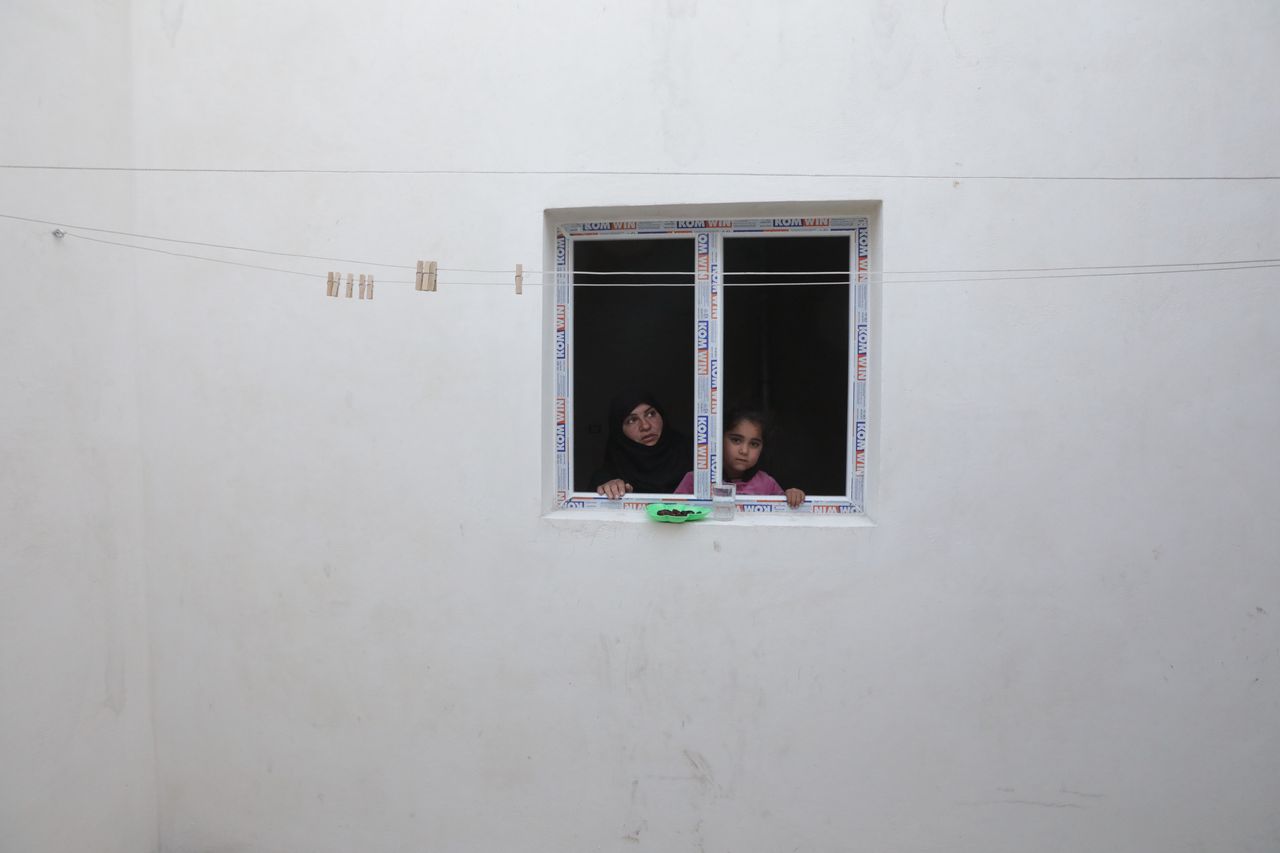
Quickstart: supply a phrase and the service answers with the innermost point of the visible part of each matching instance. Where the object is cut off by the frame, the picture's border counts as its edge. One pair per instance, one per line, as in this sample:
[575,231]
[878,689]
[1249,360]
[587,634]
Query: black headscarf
[658,468]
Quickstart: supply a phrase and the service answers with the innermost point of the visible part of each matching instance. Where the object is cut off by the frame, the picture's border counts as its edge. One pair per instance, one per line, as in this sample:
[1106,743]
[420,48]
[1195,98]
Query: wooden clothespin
[370,285]
[426,278]
[351,283]
[519,279]
[362,285]
[331,286]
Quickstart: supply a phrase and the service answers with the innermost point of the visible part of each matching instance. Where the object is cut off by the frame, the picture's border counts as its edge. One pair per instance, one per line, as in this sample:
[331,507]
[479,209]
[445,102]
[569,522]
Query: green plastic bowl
[696,513]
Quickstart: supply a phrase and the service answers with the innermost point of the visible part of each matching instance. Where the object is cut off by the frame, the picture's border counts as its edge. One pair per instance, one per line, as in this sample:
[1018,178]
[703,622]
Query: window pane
[628,335]
[786,351]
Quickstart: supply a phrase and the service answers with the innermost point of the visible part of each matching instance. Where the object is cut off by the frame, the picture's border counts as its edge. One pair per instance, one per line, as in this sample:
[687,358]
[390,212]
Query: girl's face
[643,425]
[742,445]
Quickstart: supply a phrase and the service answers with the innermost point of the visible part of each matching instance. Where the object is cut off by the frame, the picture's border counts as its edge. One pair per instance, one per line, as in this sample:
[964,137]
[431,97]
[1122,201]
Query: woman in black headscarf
[642,454]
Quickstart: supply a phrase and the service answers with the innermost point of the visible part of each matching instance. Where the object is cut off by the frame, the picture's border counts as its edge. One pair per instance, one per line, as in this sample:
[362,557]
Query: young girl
[743,442]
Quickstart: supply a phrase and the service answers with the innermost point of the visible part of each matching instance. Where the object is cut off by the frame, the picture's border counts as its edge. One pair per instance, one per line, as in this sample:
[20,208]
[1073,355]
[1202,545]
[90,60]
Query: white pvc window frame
[708,331]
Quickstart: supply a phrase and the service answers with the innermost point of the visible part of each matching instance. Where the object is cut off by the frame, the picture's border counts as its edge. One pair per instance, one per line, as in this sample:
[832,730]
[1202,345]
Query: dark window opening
[786,351]
[629,335]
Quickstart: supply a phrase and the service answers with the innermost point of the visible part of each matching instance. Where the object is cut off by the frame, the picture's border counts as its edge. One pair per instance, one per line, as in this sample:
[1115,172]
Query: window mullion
[704,441]
[717,356]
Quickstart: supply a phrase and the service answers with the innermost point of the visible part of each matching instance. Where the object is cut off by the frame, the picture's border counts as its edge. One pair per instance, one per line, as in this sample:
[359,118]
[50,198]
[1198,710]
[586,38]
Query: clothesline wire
[1136,272]
[206,245]
[642,173]
[194,257]
[509,271]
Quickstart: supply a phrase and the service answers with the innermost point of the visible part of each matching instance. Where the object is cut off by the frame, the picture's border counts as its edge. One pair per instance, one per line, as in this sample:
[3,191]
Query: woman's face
[643,425]
[742,445]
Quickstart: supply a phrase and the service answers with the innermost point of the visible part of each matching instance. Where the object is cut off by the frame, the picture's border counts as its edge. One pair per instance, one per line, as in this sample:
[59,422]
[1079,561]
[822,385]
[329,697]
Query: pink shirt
[760,484]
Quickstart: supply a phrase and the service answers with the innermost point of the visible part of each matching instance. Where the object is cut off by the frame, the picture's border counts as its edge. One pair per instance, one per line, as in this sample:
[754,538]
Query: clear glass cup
[724,498]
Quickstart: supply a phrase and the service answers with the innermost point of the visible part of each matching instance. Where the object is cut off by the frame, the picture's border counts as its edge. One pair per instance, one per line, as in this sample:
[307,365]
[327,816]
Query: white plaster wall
[1061,634]
[77,769]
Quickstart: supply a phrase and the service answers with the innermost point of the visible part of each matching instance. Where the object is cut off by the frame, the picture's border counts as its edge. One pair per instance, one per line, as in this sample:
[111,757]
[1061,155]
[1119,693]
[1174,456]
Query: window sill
[568,517]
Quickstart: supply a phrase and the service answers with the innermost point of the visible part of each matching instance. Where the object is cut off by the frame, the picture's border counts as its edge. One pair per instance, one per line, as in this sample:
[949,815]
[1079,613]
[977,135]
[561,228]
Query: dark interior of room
[785,349]
[629,336]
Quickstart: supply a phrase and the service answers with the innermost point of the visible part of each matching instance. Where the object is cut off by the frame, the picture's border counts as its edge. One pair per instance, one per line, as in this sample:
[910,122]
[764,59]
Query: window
[766,314]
